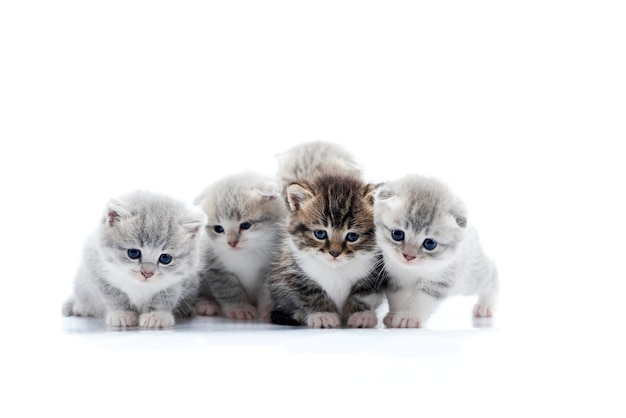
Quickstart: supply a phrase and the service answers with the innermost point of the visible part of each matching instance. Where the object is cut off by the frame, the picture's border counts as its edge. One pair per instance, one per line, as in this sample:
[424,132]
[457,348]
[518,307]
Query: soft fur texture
[328,272]
[245,216]
[430,252]
[153,282]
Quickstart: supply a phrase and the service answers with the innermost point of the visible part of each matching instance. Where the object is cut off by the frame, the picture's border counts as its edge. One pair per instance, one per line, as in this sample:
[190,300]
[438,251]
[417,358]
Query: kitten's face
[242,219]
[151,243]
[332,220]
[417,231]
[242,231]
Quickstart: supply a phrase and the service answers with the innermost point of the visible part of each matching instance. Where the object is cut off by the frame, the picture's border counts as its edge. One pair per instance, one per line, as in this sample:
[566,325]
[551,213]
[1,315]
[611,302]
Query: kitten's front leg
[486,305]
[228,292]
[119,318]
[323,320]
[156,319]
[362,310]
[159,312]
[319,309]
[409,308]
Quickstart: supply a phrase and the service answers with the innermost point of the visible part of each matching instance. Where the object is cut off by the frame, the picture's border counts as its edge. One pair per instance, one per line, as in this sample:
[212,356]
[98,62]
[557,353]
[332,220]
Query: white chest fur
[140,293]
[338,280]
[247,266]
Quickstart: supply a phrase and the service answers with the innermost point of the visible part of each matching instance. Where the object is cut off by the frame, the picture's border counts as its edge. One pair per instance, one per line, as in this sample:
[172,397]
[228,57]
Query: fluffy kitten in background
[429,251]
[139,265]
[328,272]
[245,216]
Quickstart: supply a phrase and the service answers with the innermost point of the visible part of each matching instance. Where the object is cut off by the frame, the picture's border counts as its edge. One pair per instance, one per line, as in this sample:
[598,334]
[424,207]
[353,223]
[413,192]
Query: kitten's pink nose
[408,257]
[233,243]
[147,270]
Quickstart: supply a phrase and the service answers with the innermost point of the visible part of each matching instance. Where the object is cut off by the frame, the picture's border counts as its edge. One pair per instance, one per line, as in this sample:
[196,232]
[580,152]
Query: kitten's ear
[194,222]
[381,193]
[459,213]
[116,210]
[268,191]
[297,195]
[370,192]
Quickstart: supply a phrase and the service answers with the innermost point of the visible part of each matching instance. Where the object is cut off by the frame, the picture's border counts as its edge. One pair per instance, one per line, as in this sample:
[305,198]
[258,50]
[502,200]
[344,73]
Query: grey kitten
[429,251]
[139,266]
[245,216]
[328,272]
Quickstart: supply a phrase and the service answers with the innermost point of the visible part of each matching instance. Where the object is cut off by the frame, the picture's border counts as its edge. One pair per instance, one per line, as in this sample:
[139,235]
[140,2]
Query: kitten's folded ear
[194,221]
[459,212]
[268,191]
[297,195]
[116,210]
[382,193]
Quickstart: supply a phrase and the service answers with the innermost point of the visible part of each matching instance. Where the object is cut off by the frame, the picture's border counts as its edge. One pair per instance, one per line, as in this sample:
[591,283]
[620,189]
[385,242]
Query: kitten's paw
[366,319]
[323,320]
[401,320]
[207,308]
[244,312]
[482,310]
[156,319]
[121,319]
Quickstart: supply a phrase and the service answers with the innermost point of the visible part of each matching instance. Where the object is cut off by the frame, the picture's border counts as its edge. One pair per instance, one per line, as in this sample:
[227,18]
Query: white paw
[323,320]
[401,320]
[365,319]
[207,308]
[482,310]
[240,312]
[156,319]
[121,319]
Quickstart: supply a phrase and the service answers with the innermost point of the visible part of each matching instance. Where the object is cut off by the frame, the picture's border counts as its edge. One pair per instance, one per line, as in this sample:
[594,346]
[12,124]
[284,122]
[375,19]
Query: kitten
[328,271]
[245,217]
[139,265]
[429,251]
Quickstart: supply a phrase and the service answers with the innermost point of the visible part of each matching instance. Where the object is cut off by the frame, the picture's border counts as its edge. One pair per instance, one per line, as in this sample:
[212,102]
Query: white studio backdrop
[519,106]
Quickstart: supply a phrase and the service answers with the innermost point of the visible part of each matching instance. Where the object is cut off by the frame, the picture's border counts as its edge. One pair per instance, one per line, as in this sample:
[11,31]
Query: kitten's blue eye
[352,236]
[320,234]
[133,253]
[165,259]
[218,228]
[245,225]
[430,244]
[397,235]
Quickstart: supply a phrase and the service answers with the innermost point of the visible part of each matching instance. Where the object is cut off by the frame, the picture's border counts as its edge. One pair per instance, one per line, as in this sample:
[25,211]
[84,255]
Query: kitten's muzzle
[147,270]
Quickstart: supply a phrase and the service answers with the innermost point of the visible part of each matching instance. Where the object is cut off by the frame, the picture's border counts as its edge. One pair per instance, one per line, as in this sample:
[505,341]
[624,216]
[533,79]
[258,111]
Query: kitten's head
[152,237]
[310,159]
[332,218]
[419,222]
[244,212]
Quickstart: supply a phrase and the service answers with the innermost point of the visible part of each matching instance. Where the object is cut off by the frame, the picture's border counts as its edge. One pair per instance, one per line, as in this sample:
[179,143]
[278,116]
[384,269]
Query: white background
[519,106]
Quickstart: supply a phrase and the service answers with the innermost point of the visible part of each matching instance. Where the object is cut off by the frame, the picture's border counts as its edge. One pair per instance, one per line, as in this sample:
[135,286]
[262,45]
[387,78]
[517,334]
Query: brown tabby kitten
[329,270]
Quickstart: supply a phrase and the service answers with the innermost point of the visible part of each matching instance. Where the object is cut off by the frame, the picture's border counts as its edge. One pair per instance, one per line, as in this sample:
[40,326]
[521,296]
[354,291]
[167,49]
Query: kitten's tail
[68,307]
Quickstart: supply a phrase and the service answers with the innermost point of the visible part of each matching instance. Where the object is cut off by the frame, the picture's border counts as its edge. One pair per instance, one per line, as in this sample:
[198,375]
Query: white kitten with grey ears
[429,250]
[139,266]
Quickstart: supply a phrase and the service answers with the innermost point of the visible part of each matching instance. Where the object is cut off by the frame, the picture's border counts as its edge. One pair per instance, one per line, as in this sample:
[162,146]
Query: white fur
[247,261]
[335,278]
